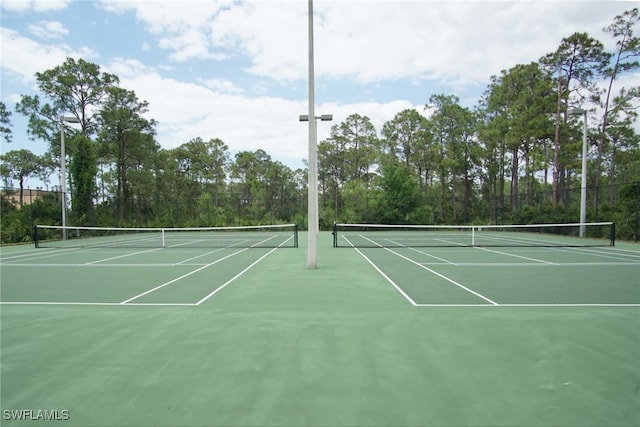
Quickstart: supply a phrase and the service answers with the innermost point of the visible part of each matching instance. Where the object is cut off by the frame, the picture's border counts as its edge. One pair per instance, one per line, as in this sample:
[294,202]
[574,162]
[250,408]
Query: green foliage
[208,214]
[16,224]
[83,169]
[400,201]
[5,123]
[125,140]
[45,210]
[421,215]
[627,216]
[358,206]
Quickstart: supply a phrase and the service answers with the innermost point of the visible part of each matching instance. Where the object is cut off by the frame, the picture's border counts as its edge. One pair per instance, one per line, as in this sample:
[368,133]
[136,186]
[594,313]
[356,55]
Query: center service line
[182,277]
[438,274]
[241,273]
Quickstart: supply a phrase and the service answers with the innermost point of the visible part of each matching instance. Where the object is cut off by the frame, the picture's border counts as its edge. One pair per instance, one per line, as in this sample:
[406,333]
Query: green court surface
[372,337]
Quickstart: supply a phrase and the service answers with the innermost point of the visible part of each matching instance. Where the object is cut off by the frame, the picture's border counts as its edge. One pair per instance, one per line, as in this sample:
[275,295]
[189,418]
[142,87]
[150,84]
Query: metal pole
[317,223]
[583,191]
[313,165]
[63,180]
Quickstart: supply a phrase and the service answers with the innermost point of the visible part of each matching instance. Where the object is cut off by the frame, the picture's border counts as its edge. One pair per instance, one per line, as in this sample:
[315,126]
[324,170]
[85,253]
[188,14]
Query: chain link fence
[619,203]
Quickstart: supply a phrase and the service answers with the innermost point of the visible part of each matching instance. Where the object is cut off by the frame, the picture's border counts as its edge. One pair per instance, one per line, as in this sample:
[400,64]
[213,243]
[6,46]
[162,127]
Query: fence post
[31,213]
[635,233]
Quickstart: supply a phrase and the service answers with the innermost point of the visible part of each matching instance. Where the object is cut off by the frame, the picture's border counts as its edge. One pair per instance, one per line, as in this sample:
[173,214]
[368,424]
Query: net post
[473,236]
[295,235]
[35,236]
[613,234]
[335,234]
[163,244]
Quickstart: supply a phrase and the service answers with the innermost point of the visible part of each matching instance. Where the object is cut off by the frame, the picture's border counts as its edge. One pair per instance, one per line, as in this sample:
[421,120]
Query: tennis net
[263,236]
[381,235]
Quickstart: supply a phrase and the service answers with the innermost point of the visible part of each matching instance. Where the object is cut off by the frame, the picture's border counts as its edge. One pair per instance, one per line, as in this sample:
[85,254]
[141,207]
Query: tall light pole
[583,191]
[313,164]
[324,118]
[63,171]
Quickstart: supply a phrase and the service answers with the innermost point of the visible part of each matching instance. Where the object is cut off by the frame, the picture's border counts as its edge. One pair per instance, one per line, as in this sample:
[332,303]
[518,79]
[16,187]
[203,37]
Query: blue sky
[237,70]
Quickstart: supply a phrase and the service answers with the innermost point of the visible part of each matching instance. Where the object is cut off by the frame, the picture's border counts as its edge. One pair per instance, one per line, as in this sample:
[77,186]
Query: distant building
[29,195]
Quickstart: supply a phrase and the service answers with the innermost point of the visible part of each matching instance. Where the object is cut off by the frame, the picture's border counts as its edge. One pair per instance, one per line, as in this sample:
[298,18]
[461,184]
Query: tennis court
[196,335]
[500,265]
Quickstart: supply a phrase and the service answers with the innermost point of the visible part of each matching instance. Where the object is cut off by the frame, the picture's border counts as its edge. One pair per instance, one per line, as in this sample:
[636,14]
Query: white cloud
[275,38]
[23,57]
[48,30]
[461,42]
[15,5]
[127,68]
[454,42]
[223,86]
[179,26]
[186,110]
[34,5]
[188,44]
[161,16]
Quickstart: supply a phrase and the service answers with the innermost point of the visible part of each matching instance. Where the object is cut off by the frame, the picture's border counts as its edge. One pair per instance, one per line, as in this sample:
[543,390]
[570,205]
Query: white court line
[215,291]
[188,242]
[95,265]
[436,273]
[5,257]
[382,273]
[46,253]
[597,253]
[450,242]
[516,256]
[242,242]
[183,262]
[208,265]
[127,303]
[620,251]
[530,305]
[534,264]
[183,276]
[113,304]
[152,250]
[421,252]
[122,256]
[522,239]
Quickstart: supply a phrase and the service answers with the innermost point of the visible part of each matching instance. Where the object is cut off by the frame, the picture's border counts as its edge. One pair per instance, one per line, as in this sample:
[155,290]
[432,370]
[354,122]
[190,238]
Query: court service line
[421,252]
[188,242]
[616,249]
[597,253]
[382,273]
[12,256]
[121,256]
[448,279]
[198,256]
[215,291]
[449,242]
[516,256]
[182,277]
[47,253]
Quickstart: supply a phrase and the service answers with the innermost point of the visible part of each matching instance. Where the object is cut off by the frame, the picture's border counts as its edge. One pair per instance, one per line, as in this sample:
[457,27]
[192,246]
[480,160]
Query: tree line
[513,158]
